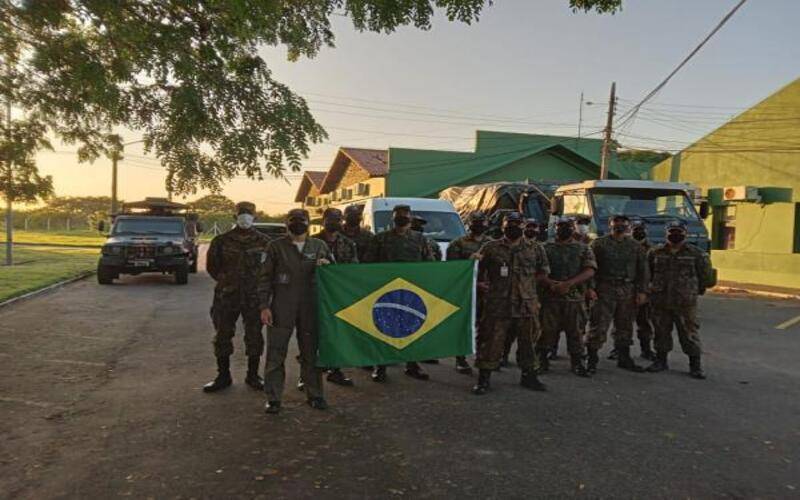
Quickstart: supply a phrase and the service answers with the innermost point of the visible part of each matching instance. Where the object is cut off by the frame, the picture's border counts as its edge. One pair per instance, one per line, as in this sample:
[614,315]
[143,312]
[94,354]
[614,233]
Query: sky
[521,68]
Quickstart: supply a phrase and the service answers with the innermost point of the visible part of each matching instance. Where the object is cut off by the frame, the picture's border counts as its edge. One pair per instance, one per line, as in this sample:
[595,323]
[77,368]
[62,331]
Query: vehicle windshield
[148,225]
[643,203]
[441,226]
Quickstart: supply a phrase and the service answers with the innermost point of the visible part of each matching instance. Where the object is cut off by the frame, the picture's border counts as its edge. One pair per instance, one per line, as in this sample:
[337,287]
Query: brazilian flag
[371,314]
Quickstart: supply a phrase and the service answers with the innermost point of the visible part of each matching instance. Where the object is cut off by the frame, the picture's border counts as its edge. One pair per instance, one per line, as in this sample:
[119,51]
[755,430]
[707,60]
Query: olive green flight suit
[287,286]
[233,260]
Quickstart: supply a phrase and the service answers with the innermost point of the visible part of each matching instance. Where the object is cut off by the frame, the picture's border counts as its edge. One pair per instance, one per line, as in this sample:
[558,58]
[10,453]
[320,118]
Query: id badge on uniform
[282,279]
[504,271]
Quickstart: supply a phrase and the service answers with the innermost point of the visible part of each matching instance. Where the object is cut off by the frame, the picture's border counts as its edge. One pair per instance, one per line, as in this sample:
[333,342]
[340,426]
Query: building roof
[311,178]
[373,161]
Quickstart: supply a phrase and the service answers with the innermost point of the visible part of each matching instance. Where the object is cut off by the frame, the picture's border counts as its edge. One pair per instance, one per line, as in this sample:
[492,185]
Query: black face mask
[297,228]
[531,233]
[564,232]
[676,237]
[401,220]
[477,228]
[353,221]
[332,227]
[639,235]
[619,228]
[512,232]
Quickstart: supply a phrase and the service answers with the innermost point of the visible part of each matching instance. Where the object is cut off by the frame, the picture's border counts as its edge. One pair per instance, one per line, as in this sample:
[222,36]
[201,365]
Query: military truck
[153,235]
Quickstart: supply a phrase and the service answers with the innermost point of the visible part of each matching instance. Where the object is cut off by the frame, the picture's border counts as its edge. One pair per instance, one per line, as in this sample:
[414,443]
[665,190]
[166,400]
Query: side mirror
[101,226]
[704,209]
[557,205]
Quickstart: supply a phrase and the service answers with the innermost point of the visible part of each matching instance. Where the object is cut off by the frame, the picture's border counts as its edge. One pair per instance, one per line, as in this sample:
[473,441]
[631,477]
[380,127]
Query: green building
[502,156]
[750,170]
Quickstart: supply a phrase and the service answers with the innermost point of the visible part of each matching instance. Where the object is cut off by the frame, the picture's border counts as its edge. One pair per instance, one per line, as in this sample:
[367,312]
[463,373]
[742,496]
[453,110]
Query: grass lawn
[38,267]
[65,238]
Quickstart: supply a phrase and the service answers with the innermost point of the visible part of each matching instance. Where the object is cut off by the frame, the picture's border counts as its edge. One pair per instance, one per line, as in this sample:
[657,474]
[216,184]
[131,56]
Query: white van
[443,223]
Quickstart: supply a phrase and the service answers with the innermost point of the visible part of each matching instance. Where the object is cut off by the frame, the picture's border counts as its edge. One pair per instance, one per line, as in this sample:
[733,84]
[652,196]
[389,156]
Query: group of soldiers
[529,290]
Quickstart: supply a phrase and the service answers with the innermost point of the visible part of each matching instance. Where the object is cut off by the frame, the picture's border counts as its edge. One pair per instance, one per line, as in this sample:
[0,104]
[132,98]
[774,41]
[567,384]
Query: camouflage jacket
[568,260]
[622,261]
[511,271]
[462,248]
[287,278]
[391,246]
[678,276]
[344,249]
[361,237]
[234,260]
[436,250]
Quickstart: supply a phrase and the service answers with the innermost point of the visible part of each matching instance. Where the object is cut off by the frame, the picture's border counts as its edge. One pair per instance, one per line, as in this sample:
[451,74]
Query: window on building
[727,228]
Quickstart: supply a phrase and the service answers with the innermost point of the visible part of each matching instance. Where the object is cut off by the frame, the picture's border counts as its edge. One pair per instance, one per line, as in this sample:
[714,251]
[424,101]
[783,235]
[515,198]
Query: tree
[188,75]
[214,203]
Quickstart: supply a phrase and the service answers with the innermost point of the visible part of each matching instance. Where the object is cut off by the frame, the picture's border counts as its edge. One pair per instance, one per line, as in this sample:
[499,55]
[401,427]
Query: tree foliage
[188,74]
[214,203]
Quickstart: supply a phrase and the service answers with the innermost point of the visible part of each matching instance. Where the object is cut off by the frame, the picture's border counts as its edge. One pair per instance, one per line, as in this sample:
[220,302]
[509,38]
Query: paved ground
[99,398]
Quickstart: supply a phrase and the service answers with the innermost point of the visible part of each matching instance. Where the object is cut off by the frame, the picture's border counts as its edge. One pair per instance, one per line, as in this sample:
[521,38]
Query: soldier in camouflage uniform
[644,324]
[619,287]
[508,272]
[233,261]
[287,293]
[680,273]
[418,225]
[344,251]
[353,230]
[399,244]
[572,264]
[468,247]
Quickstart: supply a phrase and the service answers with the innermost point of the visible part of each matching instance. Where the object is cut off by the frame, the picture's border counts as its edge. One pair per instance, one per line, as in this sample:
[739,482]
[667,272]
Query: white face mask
[244,221]
[583,229]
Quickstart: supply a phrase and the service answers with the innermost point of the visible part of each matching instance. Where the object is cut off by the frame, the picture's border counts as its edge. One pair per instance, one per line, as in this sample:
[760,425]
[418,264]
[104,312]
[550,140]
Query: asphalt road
[100,398]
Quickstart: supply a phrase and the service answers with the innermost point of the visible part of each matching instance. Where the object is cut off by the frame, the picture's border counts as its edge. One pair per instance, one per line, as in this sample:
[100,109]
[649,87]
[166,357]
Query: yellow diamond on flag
[398,313]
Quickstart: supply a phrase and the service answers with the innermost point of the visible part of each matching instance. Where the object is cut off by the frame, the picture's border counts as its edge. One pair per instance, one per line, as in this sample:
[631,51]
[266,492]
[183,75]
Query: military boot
[660,364]
[253,379]
[413,370]
[544,360]
[577,366]
[613,355]
[379,374]
[647,351]
[529,380]
[462,366]
[625,361]
[695,368]
[484,378]
[223,379]
[337,376]
[591,361]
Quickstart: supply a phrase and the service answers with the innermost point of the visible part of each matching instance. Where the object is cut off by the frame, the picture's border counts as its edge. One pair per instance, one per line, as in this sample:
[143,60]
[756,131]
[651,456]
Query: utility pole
[9,188]
[606,152]
[580,117]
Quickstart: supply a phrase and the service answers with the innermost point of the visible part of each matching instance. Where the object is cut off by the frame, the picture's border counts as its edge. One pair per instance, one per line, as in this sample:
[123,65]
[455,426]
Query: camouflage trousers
[685,322]
[615,303]
[644,322]
[492,334]
[225,312]
[563,316]
[278,338]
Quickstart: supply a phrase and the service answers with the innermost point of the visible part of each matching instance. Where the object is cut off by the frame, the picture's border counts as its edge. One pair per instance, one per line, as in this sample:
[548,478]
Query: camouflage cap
[297,214]
[564,220]
[401,208]
[353,210]
[515,217]
[477,216]
[620,217]
[583,219]
[675,225]
[332,213]
[245,207]
[638,223]
[531,222]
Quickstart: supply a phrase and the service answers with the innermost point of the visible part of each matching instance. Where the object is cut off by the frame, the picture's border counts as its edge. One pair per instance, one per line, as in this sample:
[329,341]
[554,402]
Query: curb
[758,293]
[47,289]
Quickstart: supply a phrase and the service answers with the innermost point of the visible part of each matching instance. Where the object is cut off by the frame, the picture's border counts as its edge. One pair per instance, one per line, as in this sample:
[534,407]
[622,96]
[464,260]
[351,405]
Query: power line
[630,114]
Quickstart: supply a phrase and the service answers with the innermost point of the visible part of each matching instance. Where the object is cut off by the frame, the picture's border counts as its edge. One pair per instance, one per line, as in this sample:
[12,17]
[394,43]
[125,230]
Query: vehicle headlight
[168,250]
[112,250]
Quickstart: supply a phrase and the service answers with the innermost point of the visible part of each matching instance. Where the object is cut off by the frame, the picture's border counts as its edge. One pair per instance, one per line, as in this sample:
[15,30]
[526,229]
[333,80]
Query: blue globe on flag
[399,313]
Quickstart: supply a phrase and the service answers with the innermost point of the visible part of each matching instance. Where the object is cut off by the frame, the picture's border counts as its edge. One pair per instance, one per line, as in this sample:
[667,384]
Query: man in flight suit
[287,292]
[233,261]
